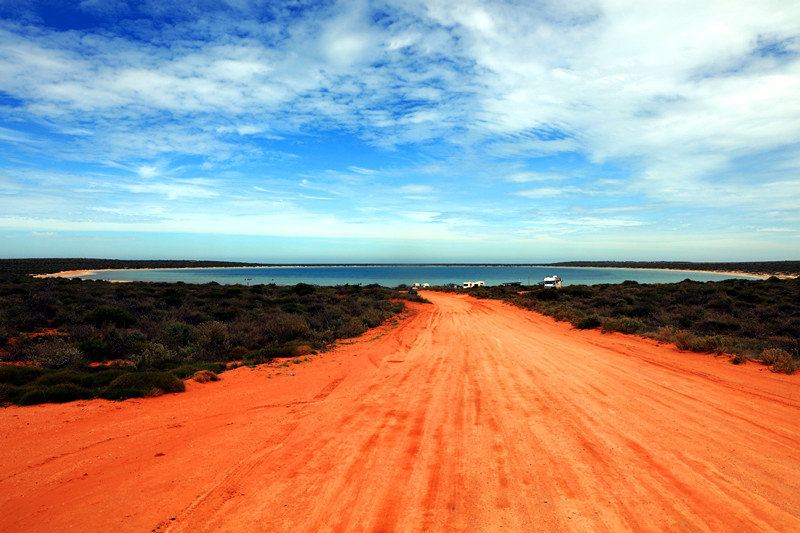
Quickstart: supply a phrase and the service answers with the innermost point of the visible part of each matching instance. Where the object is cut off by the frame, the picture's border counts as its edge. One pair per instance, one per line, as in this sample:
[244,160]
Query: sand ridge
[470,415]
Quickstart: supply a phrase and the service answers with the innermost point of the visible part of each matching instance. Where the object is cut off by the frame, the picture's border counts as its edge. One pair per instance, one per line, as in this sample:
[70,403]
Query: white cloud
[526,177]
[363,171]
[415,189]
[568,190]
[174,189]
[147,172]
[686,101]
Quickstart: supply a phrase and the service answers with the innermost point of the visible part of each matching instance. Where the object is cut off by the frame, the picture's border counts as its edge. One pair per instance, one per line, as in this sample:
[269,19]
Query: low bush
[121,393]
[154,355]
[19,375]
[351,328]
[771,356]
[204,376]
[285,327]
[622,325]
[108,314]
[303,289]
[184,371]
[589,322]
[784,365]
[143,384]
[178,335]
[95,349]
[91,379]
[213,340]
[64,392]
[779,360]
[55,353]
[9,394]
[263,355]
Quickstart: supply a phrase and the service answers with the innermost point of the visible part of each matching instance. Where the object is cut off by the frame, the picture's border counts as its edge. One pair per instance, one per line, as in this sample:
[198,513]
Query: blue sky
[520,131]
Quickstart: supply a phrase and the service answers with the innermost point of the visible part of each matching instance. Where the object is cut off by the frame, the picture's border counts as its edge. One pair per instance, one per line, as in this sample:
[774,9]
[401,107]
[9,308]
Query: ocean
[391,276]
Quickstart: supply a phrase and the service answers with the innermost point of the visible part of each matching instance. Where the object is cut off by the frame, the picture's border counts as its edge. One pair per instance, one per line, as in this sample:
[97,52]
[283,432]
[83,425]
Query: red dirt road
[469,415]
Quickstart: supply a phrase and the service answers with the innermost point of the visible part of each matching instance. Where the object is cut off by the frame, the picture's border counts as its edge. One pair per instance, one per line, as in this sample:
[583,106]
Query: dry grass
[204,376]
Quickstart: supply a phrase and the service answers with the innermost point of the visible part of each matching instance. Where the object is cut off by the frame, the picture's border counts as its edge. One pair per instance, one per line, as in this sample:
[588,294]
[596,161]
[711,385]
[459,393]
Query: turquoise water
[391,276]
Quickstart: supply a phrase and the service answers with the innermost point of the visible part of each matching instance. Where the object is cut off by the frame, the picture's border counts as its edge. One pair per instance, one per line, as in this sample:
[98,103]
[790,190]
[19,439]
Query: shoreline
[80,273]
[759,275]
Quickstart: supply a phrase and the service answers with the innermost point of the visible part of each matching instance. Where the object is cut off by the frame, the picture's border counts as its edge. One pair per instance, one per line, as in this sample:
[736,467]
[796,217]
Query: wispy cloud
[415,189]
[406,107]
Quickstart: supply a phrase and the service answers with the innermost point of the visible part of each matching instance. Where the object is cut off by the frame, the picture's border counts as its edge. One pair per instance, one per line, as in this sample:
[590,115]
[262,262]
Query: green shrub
[622,325]
[285,327]
[293,308]
[102,378]
[238,353]
[108,314]
[303,289]
[9,394]
[19,375]
[213,340]
[225,315]
[779,360]
[184,371]
[88,379]
[204,376]
[121,393]
[142,383]
[95,349]
[373,318]
[263,355]
[770,356]
[351,328]
[62,377]
[589,322]
[55,353]
[559,312]
[65,392]
[154,355]
[683,339]
[547,295]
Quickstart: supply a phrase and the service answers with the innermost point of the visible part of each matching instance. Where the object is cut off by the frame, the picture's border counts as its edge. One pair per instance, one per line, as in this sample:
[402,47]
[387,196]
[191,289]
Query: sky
[400,131]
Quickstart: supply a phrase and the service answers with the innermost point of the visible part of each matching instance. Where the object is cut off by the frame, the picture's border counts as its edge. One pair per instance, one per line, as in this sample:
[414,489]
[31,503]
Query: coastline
[759,275]
[80,273]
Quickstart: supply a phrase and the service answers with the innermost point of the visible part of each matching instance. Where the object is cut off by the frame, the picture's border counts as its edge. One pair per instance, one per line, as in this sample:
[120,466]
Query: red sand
[470,415]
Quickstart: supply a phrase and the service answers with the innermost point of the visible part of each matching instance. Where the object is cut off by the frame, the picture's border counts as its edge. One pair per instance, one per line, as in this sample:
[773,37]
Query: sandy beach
[470,415]
[760,275]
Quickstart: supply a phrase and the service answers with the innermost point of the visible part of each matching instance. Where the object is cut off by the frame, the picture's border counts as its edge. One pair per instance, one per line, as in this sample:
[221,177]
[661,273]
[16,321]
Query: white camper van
[552,282]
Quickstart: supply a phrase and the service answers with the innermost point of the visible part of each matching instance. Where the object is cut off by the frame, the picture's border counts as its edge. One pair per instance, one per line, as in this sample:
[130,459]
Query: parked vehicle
[552,282]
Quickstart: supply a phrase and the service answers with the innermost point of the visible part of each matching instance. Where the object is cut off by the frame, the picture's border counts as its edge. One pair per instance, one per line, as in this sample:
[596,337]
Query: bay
[394,275]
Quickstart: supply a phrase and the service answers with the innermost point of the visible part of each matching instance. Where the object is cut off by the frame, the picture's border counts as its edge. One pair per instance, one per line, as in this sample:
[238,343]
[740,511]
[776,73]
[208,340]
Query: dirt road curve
[468,415]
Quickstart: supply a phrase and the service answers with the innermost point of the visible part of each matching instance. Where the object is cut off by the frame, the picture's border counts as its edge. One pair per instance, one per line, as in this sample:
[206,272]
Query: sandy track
[470,415]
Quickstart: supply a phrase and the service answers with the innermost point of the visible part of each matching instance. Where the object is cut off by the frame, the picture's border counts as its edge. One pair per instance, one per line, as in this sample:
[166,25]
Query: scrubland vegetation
[150,336]
[746,318]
